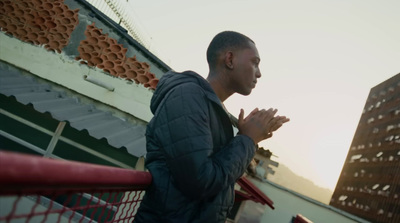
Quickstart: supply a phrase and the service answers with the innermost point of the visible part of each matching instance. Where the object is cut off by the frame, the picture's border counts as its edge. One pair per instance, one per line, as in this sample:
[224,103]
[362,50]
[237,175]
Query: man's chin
[245,93]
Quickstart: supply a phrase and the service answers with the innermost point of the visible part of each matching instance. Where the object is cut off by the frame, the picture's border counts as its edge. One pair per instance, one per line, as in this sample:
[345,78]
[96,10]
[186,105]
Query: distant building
[264,162]
[369,185]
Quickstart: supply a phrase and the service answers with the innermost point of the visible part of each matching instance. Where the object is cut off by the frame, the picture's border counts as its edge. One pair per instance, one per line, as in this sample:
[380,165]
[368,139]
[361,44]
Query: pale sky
[319,60]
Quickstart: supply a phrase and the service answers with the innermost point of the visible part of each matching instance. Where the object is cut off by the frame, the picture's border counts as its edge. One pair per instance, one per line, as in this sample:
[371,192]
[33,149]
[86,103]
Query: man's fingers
[278,122]
[266,115]
[252,113]
[241,115]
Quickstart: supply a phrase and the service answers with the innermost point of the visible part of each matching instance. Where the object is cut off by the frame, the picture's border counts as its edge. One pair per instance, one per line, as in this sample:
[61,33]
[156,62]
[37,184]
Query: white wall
[288,204]
[66,71]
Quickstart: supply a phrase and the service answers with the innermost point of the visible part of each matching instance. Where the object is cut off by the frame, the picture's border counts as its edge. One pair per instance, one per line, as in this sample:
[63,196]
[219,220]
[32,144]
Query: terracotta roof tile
[51,23]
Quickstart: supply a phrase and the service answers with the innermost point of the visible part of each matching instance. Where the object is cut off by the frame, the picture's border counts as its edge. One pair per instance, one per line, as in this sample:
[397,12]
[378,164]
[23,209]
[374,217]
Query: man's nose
[258,74]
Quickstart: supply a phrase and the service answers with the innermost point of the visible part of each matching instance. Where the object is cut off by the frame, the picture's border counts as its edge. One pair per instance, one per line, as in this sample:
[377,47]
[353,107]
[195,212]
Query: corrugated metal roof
[65,107]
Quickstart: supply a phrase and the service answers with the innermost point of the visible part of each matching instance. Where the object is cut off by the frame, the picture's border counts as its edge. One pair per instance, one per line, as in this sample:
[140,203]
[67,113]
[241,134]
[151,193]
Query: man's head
[234,58]
[225,41]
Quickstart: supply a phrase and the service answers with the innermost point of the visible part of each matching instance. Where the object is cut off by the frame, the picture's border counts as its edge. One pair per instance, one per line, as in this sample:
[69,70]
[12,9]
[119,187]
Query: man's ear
[229,60]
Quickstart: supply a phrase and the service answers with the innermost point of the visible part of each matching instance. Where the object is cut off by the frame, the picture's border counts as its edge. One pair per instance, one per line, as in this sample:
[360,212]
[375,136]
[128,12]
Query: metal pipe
[98,83]
[54,139]
[22,142]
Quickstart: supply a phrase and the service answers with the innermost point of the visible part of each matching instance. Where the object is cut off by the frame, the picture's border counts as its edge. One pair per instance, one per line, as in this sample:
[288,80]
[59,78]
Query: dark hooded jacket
[192,154]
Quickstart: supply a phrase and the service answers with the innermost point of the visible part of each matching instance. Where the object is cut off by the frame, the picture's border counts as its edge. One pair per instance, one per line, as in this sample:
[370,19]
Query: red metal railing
[37,189]
[251,192]
[301,219]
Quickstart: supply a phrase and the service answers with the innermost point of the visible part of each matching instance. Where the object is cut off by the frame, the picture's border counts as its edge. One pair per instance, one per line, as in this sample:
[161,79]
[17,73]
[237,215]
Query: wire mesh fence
[100,206]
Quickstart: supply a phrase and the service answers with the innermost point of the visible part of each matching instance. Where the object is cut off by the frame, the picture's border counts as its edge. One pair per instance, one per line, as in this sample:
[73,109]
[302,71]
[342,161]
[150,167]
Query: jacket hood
[172,79]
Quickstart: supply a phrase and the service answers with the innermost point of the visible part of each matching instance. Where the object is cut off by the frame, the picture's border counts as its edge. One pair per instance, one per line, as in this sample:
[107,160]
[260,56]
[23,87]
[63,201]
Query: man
[192,152]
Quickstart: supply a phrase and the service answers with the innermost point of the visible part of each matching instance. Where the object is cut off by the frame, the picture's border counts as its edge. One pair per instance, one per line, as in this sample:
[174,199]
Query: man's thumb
[241,115]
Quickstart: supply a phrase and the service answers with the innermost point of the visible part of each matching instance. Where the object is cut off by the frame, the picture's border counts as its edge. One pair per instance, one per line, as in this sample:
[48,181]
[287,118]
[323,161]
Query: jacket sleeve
[184,133]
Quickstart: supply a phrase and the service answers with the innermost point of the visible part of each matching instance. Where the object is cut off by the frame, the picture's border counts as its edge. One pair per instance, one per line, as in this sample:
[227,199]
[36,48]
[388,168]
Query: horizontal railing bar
[32,172]
[22,142]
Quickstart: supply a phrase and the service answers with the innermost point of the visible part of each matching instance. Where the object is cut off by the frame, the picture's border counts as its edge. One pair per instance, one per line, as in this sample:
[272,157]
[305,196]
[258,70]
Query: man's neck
[219,86]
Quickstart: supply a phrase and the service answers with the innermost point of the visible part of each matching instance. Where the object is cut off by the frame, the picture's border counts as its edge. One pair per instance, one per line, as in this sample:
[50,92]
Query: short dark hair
[225,40]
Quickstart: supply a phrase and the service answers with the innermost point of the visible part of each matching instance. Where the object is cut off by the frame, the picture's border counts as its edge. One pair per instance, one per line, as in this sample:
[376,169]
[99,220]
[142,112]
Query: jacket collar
[172,79]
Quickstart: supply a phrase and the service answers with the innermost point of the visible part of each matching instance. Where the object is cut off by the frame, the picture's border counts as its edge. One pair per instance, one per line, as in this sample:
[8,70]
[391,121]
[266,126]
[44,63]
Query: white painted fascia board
[68,72]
